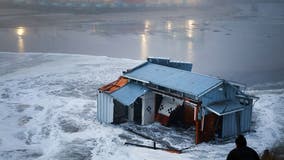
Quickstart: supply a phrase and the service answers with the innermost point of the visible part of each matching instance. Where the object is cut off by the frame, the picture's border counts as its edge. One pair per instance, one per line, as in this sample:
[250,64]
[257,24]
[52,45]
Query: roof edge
[136,79]
[226,113]
[133,69]
[187,66]
[210,89]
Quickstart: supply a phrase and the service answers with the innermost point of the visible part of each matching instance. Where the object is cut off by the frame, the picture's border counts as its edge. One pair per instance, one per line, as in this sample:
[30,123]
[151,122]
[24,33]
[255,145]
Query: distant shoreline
[93,7]
[90,7]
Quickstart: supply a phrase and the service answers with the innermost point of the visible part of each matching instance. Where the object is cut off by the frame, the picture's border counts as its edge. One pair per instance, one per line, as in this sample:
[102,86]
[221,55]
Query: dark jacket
[243,153]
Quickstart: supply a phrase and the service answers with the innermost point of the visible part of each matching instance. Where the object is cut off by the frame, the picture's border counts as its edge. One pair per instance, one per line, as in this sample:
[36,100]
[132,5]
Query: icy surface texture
[48,111]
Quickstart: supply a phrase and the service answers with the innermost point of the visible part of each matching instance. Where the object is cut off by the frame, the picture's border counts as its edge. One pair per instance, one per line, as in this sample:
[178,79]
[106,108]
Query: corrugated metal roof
[180,80]
[225,107]
[129,93]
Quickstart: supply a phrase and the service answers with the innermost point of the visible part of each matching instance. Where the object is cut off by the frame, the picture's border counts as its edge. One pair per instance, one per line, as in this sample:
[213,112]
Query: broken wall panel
[164,120]
[188,116]
[168,105]
[210,127]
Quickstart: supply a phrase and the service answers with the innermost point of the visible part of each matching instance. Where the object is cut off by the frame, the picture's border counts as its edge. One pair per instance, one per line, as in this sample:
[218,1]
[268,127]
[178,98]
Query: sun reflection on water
[169,26]
[21,32]
[189,26]
[144,38]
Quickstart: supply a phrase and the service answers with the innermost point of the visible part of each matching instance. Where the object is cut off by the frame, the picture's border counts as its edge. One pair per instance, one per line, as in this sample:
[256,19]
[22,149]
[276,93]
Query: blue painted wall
[230,121]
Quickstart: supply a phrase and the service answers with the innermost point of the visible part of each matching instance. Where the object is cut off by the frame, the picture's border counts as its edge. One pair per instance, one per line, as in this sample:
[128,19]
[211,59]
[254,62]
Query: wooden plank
[196,125]
[154,147]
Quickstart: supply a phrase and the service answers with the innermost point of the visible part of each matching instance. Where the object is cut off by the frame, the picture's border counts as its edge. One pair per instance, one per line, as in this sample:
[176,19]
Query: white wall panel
[105,108]
[148,108]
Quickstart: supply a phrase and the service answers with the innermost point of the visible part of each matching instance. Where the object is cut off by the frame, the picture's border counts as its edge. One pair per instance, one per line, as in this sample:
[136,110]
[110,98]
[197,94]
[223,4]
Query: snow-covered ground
[48,111]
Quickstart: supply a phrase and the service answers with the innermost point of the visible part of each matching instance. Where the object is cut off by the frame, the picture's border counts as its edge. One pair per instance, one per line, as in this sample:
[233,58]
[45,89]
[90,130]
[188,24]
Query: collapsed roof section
[129,93]
[113,86]
[221,108]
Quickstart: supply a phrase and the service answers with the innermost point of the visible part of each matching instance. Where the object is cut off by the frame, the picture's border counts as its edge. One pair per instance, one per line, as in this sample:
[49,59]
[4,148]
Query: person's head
[241,141]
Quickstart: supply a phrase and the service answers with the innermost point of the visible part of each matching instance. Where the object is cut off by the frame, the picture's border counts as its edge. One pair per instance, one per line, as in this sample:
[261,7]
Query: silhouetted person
[242,151]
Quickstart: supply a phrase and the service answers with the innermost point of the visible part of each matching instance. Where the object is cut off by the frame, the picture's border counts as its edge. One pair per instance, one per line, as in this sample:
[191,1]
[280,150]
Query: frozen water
[241,43]
[48,111]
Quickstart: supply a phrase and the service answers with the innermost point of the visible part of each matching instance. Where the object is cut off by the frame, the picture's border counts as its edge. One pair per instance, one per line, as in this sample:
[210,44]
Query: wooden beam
[198,138]
[155,148]
[196,125]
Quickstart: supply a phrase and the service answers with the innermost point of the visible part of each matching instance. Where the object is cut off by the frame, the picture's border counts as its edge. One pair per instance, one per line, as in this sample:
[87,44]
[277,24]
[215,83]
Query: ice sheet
[48,111]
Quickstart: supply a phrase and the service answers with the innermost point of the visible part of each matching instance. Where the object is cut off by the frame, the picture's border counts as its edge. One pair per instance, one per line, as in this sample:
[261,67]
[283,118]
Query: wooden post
[196,125]
[198,138]
[202,123]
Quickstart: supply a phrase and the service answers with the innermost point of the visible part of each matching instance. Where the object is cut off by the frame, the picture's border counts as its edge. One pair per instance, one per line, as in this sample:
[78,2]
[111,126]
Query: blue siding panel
[230,91]
[104,108]
[229,127]
[230,122]
[225,107]
[213,96]
[246,118]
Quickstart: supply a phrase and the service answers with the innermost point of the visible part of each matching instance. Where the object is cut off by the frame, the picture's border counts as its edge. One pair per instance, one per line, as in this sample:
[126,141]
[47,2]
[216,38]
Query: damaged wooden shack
[168,92]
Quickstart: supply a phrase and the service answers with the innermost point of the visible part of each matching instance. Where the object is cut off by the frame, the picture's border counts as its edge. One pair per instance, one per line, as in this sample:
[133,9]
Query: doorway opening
[138,111]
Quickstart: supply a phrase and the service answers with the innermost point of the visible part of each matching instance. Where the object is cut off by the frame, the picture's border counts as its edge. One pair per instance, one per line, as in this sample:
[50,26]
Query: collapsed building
[168,92]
